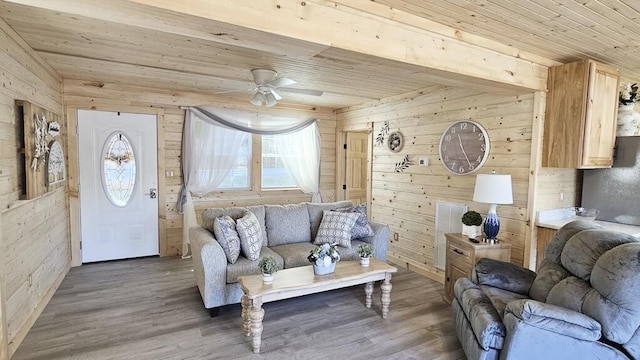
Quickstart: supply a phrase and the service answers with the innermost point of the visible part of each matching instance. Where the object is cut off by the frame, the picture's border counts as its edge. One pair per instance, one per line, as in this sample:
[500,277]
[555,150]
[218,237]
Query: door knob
[153,193]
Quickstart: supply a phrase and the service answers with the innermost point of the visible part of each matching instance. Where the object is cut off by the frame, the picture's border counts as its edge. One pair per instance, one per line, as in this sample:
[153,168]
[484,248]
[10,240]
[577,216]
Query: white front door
[118,185]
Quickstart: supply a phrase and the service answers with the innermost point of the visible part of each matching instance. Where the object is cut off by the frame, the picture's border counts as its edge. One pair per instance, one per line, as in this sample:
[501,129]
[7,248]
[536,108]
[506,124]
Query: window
[274,173]
[239,175]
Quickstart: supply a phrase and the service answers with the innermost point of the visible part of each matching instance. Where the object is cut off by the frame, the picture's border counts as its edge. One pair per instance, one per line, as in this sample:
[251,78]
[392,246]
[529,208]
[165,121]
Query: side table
[462,254]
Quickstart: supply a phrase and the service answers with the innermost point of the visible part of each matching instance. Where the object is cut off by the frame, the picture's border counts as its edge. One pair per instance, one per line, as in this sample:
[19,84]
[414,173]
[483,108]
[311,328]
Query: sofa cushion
[287,224]
[258,211]
[316,210]
[335,227]
[549,274]
[244,266]
[500,298]
[210,215]
[569,293]
[361,228]
[584,248]
[294,255]
[559,240]
[224,229]
[613,301]
[250,235]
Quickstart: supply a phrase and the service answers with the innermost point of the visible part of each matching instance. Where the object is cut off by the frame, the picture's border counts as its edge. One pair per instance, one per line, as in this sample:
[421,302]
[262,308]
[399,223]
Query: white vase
[471,230]
[322,270]
[267,278]
[364,261]
[628,120]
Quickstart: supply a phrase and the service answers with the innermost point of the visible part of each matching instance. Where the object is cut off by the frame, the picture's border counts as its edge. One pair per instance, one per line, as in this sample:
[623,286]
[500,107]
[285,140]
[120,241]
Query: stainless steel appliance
[616,191]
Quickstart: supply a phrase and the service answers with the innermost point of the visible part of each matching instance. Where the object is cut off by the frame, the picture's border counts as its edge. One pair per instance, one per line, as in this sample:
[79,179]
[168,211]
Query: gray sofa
[288,233]
[583,303]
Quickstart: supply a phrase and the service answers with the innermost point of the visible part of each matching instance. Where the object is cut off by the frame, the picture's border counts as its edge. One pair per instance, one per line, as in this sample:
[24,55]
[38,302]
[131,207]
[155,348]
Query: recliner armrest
[503,275]
[556,319]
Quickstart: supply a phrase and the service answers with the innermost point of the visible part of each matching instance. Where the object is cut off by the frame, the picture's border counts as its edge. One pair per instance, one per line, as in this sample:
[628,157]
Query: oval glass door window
[118,169]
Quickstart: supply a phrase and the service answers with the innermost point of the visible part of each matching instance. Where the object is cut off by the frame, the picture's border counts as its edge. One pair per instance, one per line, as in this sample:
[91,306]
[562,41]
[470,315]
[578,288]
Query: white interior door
[118,185]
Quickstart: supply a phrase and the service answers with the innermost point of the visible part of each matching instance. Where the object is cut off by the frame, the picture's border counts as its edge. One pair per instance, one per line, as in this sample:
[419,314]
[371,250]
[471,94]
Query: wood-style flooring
[151,309]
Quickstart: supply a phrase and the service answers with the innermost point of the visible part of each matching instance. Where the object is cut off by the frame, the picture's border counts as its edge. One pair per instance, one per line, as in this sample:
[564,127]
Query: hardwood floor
[150,309]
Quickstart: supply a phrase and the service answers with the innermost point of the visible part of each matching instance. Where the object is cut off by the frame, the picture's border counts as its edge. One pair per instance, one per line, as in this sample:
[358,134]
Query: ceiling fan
[268,86]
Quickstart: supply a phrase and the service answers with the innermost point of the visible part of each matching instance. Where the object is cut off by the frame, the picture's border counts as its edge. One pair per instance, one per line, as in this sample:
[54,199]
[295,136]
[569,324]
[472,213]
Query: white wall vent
[448,217]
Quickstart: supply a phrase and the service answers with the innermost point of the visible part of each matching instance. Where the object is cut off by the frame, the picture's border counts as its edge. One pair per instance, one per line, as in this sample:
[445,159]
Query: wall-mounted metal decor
[403,164]
[395,141]
[383,131]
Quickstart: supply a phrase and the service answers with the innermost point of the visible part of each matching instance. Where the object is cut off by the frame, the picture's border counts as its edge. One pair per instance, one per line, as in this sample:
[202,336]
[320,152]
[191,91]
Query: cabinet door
[601,116]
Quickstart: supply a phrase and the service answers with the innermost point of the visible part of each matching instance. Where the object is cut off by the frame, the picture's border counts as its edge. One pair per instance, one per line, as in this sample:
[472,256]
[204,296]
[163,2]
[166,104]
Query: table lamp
[493,189]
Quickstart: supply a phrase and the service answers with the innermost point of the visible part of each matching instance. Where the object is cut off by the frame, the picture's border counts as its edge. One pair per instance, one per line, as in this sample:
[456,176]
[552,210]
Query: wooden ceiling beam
[304,28]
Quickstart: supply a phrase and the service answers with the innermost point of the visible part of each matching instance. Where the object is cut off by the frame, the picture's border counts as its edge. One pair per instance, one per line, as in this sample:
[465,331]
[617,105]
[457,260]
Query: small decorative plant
[268,265]
[324,255]
[365,250]
[472,218]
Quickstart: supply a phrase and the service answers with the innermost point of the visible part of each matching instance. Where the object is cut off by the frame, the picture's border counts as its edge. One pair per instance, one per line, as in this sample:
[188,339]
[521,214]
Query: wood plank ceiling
[189,54]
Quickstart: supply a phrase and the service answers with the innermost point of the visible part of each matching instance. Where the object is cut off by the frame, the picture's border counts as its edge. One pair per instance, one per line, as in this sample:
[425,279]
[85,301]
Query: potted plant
[365,251]
[324,258]
[268,267]
[471,221]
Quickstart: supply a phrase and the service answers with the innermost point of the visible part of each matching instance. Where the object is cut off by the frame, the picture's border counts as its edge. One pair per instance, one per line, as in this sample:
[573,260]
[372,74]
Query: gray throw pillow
[336,228]
[362,228]
[224,229]
[250,233]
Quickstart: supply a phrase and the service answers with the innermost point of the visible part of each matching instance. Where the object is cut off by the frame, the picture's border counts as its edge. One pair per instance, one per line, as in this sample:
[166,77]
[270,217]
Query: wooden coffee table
[300,281]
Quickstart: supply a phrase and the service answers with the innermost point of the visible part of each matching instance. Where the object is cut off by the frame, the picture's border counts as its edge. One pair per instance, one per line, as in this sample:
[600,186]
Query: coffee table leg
[257,314]
[246,320]
[368,291]
[385,298]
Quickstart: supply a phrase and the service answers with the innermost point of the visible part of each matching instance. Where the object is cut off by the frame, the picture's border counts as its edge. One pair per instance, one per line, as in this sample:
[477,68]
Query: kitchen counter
[558,223]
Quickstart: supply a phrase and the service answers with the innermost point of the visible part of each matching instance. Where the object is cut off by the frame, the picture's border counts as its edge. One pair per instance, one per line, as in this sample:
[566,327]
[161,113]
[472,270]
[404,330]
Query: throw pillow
[362,228]
[224,229]
[335,227]
[250,233]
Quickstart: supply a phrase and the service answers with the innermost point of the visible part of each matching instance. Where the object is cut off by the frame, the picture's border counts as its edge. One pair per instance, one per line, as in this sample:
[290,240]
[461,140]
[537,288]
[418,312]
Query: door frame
[341,155]
[74,173]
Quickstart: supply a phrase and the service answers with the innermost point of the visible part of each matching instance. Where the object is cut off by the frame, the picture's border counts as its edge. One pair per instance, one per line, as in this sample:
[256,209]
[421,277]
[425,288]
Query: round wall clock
[395,141]
[464,147]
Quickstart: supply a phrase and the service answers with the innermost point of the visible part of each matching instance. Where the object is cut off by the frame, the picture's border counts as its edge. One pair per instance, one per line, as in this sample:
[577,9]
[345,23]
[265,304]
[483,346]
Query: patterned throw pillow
[250,233]
[362,228]
[336,228]
[224,229]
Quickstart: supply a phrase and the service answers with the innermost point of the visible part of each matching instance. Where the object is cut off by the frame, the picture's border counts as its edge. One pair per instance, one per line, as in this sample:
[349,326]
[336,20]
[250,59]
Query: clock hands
[464,152]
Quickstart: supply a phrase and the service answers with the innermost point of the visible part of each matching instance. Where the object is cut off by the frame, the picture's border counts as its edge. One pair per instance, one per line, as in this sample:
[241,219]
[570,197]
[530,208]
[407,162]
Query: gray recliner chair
[583,303]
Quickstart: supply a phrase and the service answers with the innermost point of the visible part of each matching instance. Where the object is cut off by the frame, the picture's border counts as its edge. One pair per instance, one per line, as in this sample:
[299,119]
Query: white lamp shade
[257,99]
[493,189]
[270,100]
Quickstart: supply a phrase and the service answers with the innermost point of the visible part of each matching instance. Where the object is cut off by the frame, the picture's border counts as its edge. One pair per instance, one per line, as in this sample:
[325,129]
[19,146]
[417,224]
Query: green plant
[365,250]
[472,218]
[268,265]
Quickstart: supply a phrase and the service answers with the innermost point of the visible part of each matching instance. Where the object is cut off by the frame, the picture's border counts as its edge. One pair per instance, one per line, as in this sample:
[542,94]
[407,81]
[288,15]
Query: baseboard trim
[433,274]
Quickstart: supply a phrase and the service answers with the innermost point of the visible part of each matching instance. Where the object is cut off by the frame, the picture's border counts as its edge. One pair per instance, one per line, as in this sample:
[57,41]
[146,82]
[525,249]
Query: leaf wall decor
[383,131]
[403,164]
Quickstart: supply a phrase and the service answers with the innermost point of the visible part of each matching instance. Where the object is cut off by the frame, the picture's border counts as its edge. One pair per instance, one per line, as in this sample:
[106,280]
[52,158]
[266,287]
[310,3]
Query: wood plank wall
[407,200]
[86,94]
[34,234]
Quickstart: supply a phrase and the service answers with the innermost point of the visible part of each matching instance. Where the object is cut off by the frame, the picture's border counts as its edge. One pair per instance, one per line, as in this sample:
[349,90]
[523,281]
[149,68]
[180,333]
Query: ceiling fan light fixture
[270,100]
[257,99]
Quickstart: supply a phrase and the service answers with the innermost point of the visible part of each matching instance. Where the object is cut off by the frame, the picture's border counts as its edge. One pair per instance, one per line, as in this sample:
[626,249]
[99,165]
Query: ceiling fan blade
[275,94]
[302,91]
[283,81]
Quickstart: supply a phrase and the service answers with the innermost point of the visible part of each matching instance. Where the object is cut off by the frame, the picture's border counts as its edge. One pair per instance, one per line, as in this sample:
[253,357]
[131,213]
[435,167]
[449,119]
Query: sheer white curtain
[211,142]
[209,152]
[300,153]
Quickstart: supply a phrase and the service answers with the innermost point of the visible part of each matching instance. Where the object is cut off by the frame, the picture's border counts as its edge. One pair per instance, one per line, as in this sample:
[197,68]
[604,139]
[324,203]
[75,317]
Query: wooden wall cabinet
[581,116]
[462,254]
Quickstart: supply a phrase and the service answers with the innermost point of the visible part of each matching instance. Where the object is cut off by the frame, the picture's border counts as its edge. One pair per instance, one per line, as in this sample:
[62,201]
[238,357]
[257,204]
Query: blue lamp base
[492,223]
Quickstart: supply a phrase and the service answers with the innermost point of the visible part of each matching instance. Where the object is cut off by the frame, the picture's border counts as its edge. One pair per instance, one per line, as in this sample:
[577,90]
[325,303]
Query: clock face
[464,147]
